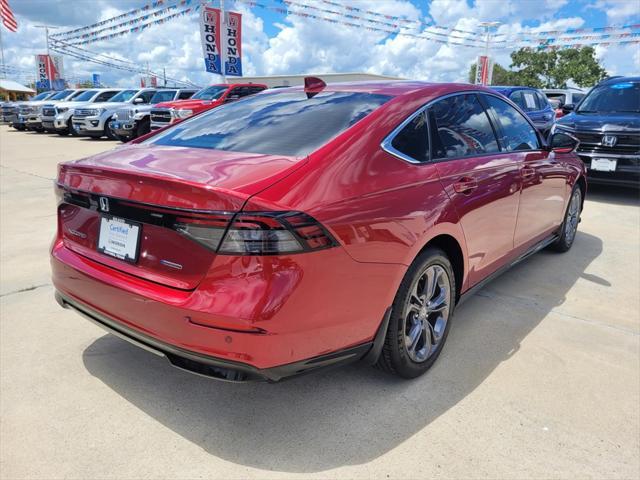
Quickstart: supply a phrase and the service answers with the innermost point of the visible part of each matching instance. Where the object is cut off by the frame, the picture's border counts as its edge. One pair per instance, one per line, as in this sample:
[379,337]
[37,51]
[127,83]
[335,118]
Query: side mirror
[562,142]
[567,108]
[138,100]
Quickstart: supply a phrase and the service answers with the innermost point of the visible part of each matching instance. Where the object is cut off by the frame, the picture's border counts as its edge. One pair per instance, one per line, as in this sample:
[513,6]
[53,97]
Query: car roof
[619,80]
[396,88]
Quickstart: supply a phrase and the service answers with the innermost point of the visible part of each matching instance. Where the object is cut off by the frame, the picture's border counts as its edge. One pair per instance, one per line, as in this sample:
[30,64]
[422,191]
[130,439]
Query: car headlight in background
[183,113]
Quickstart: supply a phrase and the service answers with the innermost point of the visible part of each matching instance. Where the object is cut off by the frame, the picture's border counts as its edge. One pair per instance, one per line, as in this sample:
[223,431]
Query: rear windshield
[163,96]
[123,96]
[86,96]
[623,97]
[283,123]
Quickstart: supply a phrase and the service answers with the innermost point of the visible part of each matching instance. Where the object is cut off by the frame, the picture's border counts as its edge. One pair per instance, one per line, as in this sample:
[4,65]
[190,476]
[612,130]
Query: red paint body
[199,106]
[267,311]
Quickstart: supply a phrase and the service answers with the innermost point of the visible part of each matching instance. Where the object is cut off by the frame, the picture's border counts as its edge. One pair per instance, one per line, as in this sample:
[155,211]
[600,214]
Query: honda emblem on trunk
[609,140]
[104,204]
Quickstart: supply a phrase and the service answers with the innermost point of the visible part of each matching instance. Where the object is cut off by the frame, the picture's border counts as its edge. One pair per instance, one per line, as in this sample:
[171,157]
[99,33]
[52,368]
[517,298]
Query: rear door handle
[465,185]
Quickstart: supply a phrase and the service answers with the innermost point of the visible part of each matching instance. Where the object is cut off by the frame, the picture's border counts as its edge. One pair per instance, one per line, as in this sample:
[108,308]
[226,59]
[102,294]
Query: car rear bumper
[627,171]
[284,320]
[217,368]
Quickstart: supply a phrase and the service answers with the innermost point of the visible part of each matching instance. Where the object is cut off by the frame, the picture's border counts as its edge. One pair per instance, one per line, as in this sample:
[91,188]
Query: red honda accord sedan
[311,226]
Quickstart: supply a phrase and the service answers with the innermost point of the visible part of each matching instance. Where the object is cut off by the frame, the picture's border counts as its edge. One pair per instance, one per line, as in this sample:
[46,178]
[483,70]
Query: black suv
[607,123]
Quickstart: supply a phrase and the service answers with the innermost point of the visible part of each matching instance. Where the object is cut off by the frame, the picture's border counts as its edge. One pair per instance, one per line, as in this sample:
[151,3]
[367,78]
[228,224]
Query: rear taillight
[264,233]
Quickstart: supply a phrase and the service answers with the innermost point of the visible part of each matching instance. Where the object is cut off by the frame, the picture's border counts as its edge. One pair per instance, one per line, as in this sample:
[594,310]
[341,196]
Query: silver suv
[132,122]
[94,121]
[46,112]
[63,111]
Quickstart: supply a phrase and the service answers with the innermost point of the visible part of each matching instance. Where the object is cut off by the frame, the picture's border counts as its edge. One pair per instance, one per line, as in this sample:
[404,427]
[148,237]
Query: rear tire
[570,223]
[420,316]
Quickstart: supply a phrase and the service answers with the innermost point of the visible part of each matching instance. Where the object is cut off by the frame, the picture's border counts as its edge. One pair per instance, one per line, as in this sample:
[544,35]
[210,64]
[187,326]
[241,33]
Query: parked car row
[122,114]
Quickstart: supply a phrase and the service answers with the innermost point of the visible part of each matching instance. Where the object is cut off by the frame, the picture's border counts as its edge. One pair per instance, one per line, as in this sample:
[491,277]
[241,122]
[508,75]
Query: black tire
[108,132]
[143,127]
[570,222]
[396,357]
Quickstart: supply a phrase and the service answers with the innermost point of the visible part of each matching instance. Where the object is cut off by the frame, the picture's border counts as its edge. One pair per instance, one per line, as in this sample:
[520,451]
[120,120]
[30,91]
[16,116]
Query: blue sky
[276,43]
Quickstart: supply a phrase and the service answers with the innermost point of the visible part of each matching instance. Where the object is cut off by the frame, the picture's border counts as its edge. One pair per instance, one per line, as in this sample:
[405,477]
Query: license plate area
[119,238]
[603,164]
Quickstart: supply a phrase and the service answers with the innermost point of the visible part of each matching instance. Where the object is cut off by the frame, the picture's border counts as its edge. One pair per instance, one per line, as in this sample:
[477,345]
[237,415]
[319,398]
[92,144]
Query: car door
[482,180]
[543,177]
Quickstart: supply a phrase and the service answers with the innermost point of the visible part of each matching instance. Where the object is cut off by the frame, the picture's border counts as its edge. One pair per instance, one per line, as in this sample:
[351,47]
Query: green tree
[501,76]
[554,68]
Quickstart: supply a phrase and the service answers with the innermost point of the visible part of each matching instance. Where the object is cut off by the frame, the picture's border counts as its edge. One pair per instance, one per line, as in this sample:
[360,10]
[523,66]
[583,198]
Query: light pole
[487,29]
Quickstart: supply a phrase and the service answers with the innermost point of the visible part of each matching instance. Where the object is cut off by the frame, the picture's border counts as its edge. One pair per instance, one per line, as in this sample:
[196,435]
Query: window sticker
[529,100]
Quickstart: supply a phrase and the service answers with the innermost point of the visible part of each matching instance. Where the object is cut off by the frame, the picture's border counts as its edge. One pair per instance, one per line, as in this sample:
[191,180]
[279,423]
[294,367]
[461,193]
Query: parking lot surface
[540,377]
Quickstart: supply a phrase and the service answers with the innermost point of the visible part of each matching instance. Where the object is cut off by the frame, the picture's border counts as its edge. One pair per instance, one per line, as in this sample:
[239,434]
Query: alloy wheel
[573,217]
[427,313]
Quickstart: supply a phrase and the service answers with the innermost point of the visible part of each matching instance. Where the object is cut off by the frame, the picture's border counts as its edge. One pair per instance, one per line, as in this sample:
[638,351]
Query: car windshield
[287,123]
[211,93]
[123,96]
[85,96]
[41,96]
[61,95]
[163,96]
[622,97]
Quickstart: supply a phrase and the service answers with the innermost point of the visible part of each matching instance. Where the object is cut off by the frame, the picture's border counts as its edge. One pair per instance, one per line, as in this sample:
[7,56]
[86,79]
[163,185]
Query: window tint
[622,97]
[280,123]
[542,101]
[576,97]
[461,128]
[124,96]
[146,96]
[413,139]
[85,96]
[76,95]
[105,96]
[256,89]
[517,132]
[211,93]
[184,94]
[61,95]
[163,96]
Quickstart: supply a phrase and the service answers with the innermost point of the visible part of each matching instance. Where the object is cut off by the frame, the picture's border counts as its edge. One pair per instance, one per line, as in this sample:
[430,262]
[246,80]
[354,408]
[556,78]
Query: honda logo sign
[609,140]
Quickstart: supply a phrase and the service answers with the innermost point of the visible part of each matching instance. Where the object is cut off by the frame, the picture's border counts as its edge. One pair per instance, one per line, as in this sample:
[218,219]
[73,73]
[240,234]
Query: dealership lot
[540,376]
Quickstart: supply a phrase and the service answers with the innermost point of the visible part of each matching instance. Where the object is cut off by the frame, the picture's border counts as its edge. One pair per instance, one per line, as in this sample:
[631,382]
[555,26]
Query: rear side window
[461,128]
[279,123]
[517,133]
[542,101]
[413,140]
[185,94]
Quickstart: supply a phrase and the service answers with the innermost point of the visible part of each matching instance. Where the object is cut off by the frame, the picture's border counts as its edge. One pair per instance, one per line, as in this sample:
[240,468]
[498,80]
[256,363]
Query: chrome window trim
[386,142]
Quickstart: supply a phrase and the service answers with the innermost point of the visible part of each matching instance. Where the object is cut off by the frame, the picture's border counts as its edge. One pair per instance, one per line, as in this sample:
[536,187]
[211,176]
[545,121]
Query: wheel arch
[450,245]
[582,184]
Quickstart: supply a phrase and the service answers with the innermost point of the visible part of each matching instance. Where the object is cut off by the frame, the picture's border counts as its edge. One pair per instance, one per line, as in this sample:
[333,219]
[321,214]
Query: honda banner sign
[210,37]
[49,72]
[232,44]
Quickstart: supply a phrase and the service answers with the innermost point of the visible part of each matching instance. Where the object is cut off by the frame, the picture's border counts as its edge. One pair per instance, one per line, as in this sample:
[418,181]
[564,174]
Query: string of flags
[138,28]
[131,13]
[134,21]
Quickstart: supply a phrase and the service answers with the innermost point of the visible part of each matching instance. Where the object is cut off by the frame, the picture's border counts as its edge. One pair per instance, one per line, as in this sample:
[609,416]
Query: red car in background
[308,227]
[167,113]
